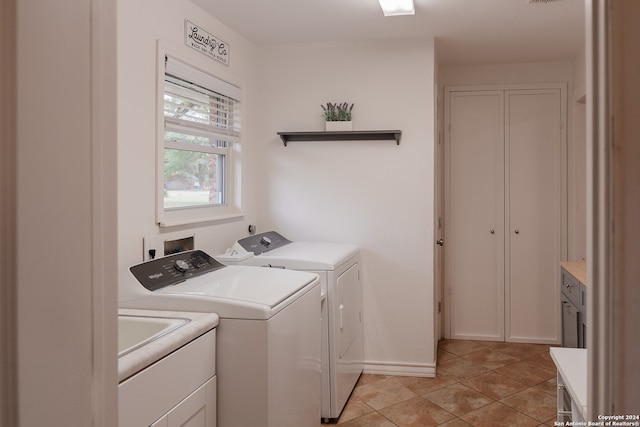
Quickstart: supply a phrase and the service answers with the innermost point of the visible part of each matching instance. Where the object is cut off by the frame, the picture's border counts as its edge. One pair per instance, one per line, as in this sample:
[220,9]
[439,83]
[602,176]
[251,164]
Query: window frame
[231,205]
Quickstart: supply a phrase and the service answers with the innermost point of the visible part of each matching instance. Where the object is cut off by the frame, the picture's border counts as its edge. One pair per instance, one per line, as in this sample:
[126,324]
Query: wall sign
[204,42]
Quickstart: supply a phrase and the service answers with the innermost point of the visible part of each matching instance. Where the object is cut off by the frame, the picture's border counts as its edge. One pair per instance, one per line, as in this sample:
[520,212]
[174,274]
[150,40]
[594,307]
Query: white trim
[400,369]
[599,215]
[195,131]
[104,305]
[518,86]
[534,340]
[579,94]
[201,219]
[173,145]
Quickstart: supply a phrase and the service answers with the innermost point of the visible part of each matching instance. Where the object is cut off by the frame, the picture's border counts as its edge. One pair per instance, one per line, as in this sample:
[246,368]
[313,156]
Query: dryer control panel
[170,270]
[263,242]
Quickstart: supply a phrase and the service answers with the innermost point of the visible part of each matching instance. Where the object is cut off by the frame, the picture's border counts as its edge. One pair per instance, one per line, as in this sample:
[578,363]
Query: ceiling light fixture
[397,7]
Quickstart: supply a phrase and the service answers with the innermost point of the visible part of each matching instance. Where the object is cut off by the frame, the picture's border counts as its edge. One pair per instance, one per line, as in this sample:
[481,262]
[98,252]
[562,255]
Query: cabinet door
[349,308]
[570,330]
[533,192]
[347,366]
[474,215]
[196,410]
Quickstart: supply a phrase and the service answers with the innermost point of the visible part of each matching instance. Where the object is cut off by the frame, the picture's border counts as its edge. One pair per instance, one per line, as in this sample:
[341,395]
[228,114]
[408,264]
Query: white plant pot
[338,126]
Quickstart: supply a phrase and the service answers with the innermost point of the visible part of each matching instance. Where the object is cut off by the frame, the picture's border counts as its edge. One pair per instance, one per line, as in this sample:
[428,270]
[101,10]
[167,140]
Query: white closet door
[533,193]
[474,215]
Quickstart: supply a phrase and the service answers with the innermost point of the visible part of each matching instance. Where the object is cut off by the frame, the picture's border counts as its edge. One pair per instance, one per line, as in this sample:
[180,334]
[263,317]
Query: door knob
[440,242]
[517,231]
[492,231]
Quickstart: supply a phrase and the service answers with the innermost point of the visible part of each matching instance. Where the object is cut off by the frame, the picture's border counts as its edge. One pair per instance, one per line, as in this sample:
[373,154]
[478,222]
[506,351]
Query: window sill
[201,220]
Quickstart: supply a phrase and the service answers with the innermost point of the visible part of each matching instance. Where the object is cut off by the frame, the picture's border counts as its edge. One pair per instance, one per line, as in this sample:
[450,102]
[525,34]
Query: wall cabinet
[503,212]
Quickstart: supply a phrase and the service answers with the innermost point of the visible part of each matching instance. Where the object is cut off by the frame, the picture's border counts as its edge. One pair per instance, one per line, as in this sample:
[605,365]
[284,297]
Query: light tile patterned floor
[478,383]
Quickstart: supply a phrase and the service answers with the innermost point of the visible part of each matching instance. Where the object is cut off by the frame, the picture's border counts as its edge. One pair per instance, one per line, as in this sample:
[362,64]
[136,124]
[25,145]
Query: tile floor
[478,383]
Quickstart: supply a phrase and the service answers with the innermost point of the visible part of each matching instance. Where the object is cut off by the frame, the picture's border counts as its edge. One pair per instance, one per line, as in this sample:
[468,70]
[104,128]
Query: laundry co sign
[202,41]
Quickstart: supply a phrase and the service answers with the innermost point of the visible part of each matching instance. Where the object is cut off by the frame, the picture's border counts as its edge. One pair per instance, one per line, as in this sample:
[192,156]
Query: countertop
[139,359]
[577,269]
[572,366]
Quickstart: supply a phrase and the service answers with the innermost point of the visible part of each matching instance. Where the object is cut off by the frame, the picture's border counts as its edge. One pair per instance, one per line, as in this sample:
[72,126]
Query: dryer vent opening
[178,245]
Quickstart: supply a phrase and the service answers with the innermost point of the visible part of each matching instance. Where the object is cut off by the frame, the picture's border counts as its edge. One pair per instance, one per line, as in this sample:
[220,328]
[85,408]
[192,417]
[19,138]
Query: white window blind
[198,101]
[177,68]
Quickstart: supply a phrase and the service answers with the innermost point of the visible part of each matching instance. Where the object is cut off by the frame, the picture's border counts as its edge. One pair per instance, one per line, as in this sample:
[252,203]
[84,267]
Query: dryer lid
[308,256]
[278,251]
[263,242]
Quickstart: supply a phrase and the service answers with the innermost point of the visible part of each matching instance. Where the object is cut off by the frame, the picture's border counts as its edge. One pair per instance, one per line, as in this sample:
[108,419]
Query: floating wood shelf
[355,135]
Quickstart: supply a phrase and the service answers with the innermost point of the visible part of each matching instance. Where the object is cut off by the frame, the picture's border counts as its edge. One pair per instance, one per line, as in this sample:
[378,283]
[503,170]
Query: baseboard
[399,368]
[525,340]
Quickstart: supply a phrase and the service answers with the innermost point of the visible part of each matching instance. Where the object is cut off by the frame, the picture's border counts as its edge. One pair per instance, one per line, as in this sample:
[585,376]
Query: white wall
[546,72]
[374,194]
[140,24]
[54,175]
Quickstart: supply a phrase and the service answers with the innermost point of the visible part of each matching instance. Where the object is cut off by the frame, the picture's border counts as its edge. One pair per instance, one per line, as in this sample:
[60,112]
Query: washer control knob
[181,266]
[265,241]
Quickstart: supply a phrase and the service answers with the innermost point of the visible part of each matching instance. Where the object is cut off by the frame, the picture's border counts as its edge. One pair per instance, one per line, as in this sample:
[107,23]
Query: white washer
[338,266]
[268,339]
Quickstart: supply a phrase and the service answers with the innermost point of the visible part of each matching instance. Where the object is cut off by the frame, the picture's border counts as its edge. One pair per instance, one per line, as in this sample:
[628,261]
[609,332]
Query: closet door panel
[533,192]
[474,215]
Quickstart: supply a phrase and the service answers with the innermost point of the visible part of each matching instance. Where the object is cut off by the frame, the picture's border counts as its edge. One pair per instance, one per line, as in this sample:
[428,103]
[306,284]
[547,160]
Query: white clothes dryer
[338,266]
[268,339]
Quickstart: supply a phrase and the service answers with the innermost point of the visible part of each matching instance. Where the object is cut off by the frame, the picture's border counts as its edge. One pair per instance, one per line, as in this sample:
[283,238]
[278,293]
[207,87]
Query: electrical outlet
[150,248]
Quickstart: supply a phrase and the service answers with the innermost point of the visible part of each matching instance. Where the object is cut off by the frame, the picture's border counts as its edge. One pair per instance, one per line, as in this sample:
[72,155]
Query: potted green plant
[337,116]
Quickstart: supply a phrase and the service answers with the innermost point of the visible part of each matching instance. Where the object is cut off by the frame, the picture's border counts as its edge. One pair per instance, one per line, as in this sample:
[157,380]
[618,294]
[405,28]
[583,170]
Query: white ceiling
[467,31]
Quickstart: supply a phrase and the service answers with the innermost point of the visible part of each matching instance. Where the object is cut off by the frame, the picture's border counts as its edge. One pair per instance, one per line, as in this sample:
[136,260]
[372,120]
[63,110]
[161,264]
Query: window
[200,125]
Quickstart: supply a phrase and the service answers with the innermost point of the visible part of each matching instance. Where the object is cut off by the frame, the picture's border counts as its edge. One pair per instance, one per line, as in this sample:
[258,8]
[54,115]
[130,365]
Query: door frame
[8,216]
[438,228]
[445,167]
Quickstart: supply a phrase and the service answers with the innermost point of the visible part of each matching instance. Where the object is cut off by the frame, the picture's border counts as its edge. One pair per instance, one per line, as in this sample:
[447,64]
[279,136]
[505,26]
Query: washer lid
[193,281]
[245,285]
